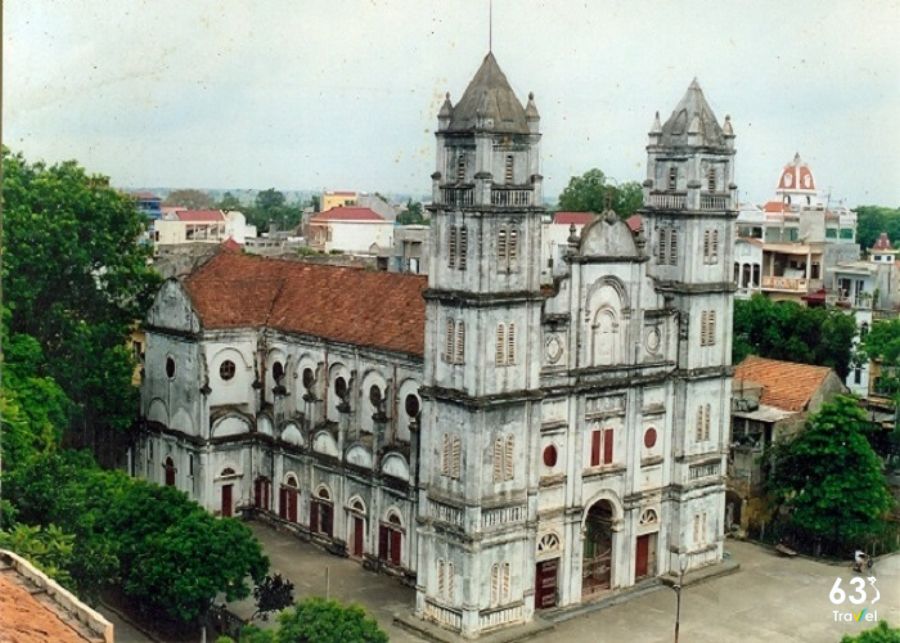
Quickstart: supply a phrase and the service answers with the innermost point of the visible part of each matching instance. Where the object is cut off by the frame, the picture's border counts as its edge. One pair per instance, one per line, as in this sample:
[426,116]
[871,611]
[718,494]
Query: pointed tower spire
[446,113]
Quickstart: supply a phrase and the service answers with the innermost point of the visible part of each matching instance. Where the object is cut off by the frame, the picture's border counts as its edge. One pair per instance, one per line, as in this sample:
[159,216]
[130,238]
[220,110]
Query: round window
[650,438]
[226,370]
[412,405]
[550,456]
[170,367]
[277,371]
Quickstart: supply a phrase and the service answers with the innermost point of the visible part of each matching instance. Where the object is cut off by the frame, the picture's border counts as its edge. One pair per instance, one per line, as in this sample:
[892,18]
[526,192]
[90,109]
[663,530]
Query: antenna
[490,25]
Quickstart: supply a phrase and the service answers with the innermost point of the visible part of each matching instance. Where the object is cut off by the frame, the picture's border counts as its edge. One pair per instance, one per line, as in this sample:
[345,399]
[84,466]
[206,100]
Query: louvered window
[455,458]
[505,582]
[452,247]
[500,354]
[673,178]
[706,423]
[662,248]
[509,168]
[461,167]
[714,249]
[706,245]
[446,454]
[451,582]
[450,341]
[673,247]
[441,581]
[508,461]
[463,246]
[711,329]
[701,422]
[498,459]
[513,246]
[511,344]
[495,584]
[711,179]
[460,349]
[502,255]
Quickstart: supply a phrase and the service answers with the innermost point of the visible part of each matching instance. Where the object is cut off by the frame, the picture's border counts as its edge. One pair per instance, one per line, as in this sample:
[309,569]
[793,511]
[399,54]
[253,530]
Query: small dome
[796,177]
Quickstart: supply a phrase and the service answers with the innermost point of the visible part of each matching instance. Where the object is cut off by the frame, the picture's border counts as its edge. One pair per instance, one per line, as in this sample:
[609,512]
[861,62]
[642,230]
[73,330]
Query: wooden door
[292,504]
[545,583]
[283,503]
[396,543]
[170,473]
[642,556]
[226,499]
[358,536]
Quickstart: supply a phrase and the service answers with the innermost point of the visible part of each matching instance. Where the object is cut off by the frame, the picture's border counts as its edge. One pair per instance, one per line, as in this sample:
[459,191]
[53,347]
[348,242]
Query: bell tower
[690,204]
[481,397]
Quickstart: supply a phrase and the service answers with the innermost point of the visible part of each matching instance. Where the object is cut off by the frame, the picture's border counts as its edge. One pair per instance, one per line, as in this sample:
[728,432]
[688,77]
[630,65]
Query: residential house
[351,230]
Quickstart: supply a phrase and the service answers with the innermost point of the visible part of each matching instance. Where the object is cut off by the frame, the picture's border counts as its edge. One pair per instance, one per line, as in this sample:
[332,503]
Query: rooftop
[374,309]
[199,216]
[347,213]
[693,115]
[489,96]
[788,386]
[577,218]
[35,609]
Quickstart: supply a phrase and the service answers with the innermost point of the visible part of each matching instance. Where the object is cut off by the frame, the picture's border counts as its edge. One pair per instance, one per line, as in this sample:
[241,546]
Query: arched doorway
[390,539]
[170,472]
[262,492]
[597,562]
[357,523]
[287,499]
[321,512]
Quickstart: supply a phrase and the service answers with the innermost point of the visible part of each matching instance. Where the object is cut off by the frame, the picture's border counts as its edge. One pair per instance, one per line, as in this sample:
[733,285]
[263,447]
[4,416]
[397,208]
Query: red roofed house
[350,229]
[771,401]
[205,226]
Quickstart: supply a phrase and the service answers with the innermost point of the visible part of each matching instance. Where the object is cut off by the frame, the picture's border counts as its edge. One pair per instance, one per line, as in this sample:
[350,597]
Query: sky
[344,94]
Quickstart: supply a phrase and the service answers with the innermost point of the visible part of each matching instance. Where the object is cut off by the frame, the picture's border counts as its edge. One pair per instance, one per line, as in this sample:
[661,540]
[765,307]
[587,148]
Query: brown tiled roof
[377,309]
[786,385]
[347,213]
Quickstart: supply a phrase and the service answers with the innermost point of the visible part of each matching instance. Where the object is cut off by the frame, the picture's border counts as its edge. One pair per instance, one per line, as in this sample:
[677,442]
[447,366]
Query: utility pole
[682,565]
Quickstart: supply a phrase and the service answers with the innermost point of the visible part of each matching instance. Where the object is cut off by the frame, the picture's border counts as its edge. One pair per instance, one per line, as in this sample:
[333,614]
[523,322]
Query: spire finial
[490,26]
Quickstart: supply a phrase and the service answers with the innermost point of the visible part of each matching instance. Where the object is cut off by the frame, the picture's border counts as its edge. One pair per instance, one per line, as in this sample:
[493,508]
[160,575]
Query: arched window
[278,371]
[673,178]
[170,472]
[648,517]
[509,168]
[445,580]
[390,539]
[548,542]
[500,583]
[508,458]
[460,166]
[606,337]
[711,179]
[321,512]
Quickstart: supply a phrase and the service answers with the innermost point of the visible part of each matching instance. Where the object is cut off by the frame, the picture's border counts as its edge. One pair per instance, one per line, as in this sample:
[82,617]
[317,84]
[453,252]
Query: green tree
[229,202]
[181,569]
[872,220]
[75,280]
[269,199]
[189,198]
[881,633]
[788,331]
[317,620]
[271,207]
[412,215]
[590,192]
[272,593]
[49,548]
[830,480]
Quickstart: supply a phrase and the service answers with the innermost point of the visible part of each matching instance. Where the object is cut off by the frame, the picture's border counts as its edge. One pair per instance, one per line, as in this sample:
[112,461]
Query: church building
[502,444]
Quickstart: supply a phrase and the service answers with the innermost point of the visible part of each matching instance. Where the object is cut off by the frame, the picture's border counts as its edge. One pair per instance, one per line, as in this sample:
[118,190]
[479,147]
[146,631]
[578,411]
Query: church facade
[503,444]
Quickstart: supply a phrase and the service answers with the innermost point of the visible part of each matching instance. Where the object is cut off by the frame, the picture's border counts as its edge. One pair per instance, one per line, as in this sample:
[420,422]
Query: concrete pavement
[769,599]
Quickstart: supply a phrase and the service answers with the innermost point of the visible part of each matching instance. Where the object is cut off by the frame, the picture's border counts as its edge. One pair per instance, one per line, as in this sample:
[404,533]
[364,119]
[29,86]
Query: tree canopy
[591,192]
[881,633]
[830,480]
[872,220]
[189,198]
[787,331]
[317,620]
[76,280]
[412,214]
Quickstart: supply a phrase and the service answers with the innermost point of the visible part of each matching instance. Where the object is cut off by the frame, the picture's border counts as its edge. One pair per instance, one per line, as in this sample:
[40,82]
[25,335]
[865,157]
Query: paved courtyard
[769,599]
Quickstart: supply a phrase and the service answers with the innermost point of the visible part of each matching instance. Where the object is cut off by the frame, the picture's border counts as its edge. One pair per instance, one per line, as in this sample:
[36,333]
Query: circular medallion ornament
[554,348]
[653,340]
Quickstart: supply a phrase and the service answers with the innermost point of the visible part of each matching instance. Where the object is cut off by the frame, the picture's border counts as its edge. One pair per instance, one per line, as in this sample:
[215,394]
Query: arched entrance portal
[597,557]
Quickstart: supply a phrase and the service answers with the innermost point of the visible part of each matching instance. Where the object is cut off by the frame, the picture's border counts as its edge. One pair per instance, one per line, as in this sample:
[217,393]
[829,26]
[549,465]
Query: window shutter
[498,459]
[257,492]
[495,584]
[282,503]
[711,332]
[463,246]
[509,168]
[508,461]
[292,497]
[460,167]
[696,529]
[706,423]
[440,578]
[661,248]
[511,344]
[327,522]
[706,246]
[460,355]
[456,457]
[699,429]
[500,355]
[596,437]
[451,249]
[445,455]
[382,542]
[501,244]
[608,446]
[448,349]
[673,178]
[450,581]
[673,247]
[513,245]
[711,178]
[715,246]
[505,593]
[314,516]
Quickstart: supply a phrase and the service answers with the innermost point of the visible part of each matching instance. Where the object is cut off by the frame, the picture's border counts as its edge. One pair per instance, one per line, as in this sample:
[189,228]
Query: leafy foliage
[881,633]
[271,207]
[317,620]
[48,548]
[272,593]
[189,198]
[590,192]
[785,330]
[830,480]
[872,220]
[75,281]
[412,215]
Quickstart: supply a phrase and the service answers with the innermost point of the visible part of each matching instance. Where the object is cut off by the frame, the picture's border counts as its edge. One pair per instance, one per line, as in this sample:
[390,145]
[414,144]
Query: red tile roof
[883,242]
[776,206]
[634,222]
[231,244]
[578,218]
[376,309]
[347,213]
[199,216]
[786,385]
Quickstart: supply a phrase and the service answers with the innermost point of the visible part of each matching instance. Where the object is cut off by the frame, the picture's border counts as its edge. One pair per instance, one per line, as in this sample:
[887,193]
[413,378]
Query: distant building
[205,226]
[354,230]
[771,400]
[148,204]
[34,607]
[411,249]
[801,237]
[338,199]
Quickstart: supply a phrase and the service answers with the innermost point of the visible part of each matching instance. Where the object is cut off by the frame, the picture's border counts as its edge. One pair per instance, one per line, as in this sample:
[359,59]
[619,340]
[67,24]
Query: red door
[545,583]
[283,503]
[396,540]
[642,556]
[170,473]
[292,504]
[226,500]
[357,536]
